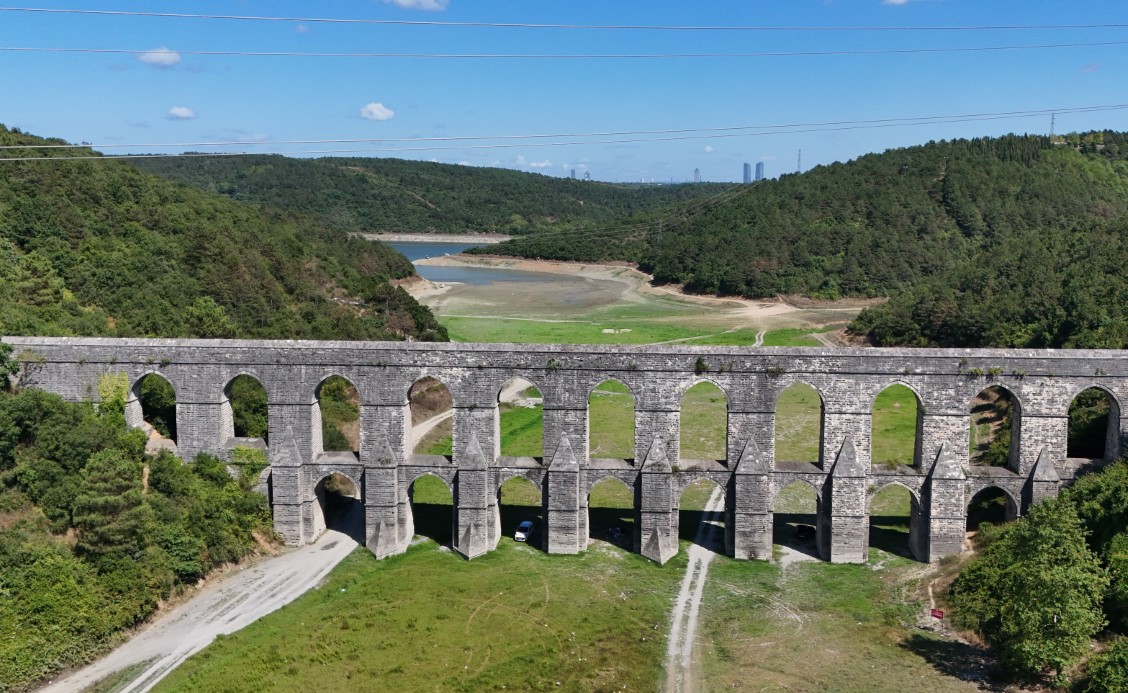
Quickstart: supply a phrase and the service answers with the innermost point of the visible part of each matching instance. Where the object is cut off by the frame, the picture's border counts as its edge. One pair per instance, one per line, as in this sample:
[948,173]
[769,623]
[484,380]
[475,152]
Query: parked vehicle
[524,531]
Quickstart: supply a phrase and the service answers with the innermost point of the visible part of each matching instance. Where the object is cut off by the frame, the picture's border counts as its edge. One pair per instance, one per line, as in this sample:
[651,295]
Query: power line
[524,25]
[908,120]
[394,150]
[573,56]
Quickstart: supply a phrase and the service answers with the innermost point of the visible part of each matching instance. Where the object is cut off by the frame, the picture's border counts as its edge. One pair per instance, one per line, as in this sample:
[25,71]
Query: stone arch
[612,511]
[238,404]
[1091,434]
[799,441]
[427,501]
[429,416]
[996,427]
[338,430]
[983,506]
[614,436]
[794,526]
[893,528]
[889,422]
[148,407]
[338,505]
[703,524]
[519,419]
[520,498]
[699,437]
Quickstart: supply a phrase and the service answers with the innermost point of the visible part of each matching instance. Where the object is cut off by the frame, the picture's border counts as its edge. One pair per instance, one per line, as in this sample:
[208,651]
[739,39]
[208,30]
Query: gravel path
[232,602]
[683,631]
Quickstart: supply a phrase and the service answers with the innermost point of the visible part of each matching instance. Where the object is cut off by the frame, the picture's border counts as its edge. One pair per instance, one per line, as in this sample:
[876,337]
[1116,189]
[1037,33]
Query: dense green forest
[394,195]
[94,533]
[1041,588]
[96,247]
[1011,241]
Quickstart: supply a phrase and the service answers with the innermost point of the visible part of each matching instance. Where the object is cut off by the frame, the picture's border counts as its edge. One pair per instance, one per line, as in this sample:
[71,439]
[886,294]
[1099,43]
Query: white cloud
[425,5]
[160,57]
[520,159]
[464,162]
[894,2]
[181,113]
[377,111]
[708,149]
[540,164]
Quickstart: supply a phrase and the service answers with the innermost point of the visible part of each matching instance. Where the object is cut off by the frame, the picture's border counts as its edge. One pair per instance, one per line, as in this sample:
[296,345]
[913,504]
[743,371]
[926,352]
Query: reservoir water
[418,250]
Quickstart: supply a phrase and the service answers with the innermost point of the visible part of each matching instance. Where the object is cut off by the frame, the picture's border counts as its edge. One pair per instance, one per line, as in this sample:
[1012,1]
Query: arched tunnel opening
[338,498]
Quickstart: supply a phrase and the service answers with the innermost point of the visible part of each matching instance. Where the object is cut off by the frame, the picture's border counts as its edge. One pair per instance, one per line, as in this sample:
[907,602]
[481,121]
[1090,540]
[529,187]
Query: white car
[524,531]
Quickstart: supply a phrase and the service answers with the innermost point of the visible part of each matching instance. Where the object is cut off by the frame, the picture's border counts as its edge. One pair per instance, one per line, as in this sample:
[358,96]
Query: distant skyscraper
[573,174]
[759,171]
[696,175]
[747,173]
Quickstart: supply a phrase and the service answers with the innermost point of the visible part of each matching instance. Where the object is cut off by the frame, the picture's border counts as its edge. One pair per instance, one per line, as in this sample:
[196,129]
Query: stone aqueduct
[941,480]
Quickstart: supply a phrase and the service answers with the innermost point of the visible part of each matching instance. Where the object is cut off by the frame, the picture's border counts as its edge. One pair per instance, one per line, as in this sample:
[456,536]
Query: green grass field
[617,330]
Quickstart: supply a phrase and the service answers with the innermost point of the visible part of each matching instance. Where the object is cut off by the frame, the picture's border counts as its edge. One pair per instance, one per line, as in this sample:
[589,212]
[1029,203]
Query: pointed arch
[519,420]
[520,499]
[336,424]
[996,428]
[992,503]
[894,512]
[611,421]
[338,505]
[152,406]
[1094,425]
[703,422]
[896,426]
[797,509]
[430,508]
[612,509]
[245,409]
[701,514]
[799,423]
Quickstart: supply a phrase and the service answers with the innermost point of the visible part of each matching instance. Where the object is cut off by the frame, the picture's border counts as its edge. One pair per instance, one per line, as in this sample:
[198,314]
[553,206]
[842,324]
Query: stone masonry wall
[1042,383]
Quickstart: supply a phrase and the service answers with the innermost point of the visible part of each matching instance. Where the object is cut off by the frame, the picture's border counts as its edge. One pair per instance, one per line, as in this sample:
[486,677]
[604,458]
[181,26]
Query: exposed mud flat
[587,288]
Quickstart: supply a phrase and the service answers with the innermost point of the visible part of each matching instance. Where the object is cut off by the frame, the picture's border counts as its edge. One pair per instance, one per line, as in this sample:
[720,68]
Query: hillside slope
[95,247]
[395,195]
[982,242]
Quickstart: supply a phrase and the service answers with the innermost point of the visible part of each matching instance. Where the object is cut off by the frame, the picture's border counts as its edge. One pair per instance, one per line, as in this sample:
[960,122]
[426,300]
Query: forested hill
[394,195]
[96,247]
[1012,241]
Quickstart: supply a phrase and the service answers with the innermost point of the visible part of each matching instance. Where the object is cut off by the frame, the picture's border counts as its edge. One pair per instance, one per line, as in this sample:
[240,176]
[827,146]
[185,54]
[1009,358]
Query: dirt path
[759,338]
[232,602]
[683,631]
[421,429]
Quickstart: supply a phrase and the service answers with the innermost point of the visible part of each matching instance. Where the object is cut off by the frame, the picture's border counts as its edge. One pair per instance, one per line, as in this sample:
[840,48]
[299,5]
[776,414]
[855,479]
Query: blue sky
[183,98]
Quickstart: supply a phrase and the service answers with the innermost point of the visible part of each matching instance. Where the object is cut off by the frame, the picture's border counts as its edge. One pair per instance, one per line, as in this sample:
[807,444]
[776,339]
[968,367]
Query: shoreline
[625,273]
[480,238]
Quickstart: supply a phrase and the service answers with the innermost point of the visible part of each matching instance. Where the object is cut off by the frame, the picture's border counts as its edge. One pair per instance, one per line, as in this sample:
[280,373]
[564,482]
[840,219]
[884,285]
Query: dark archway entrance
[340,505]
[699,521]
[432,509]
[611,513]
[795,518]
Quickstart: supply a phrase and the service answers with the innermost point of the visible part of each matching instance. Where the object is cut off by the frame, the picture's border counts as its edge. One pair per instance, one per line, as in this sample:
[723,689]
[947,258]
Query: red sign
[937,613]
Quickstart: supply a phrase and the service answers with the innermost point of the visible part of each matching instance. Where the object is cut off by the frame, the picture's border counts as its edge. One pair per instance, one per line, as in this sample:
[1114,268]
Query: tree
[206,318]
[110,511]
[1035,593]
[1108,672]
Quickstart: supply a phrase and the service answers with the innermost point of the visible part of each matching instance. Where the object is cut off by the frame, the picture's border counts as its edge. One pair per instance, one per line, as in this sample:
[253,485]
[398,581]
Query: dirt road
[232,602]
[683,631]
